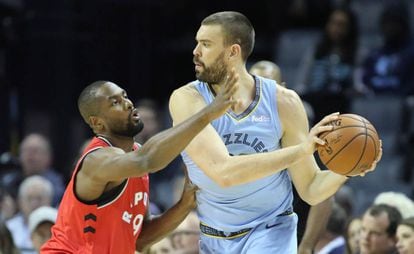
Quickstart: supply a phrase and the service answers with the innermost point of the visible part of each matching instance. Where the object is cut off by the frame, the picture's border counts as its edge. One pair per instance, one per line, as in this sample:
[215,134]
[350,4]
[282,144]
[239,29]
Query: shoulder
[287,98]
[290,107]
[95,160]
[186,90]
[185,95]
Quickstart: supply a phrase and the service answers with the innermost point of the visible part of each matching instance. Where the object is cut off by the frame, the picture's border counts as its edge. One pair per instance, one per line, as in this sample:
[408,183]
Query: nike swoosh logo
[274,225]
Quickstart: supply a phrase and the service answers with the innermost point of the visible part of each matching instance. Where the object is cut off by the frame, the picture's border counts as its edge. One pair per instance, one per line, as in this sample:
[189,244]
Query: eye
[115,102]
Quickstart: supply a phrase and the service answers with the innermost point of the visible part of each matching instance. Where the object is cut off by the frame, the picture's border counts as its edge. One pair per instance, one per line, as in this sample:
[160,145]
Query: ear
[235,51]
[96,123]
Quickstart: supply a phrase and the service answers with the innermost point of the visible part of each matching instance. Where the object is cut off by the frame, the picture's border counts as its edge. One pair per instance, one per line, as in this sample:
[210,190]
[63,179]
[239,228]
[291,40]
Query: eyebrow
[203,40]
[123,92]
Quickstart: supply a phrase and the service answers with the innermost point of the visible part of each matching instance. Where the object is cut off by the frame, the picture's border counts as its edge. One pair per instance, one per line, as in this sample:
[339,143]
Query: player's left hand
[188,198]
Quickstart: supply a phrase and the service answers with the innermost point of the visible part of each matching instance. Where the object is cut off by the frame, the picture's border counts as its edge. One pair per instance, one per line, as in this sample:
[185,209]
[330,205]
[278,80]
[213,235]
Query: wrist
[186,205]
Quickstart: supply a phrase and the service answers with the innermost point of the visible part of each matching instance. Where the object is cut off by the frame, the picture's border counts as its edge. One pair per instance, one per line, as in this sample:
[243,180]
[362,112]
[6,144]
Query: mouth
[135,115]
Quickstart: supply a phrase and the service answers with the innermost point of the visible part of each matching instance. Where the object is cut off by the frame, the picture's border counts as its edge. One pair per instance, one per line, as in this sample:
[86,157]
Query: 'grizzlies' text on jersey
[257,130]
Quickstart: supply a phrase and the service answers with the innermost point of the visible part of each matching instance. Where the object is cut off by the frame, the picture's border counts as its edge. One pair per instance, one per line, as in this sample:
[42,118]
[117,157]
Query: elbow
[312,202]
[223,179]
[224,182]
[310,199]
[316,200]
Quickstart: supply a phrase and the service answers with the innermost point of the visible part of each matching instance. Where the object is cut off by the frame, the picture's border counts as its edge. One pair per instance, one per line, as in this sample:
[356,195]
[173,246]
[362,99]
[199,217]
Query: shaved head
[87,101]
[268,70]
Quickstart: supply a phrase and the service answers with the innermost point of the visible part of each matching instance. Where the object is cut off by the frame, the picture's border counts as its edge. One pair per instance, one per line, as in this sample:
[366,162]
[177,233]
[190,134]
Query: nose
[128,104]
[196,50]
[364,235]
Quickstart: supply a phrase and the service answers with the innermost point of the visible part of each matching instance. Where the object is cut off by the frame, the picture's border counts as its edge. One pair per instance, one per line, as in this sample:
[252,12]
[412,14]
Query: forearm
[324,184]
[243,169]
[315,224]
[159,227]
[165,146]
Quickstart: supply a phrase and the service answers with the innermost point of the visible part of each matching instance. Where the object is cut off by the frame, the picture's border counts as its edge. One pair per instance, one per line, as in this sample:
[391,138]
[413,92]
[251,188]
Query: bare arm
[315,224]
[107,167]
[312,184]
[157,228]
[208,151]
[112,164]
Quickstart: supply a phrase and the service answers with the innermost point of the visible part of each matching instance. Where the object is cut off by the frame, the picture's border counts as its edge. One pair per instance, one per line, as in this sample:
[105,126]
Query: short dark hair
[394,216]
[87,100]
[236,28]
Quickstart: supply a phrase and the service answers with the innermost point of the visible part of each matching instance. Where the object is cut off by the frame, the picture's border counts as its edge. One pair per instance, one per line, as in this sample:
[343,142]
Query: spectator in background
[164,246]
[405,236]
[35,159]
[398,200]
[186,236]
[8,206]
[41,221]
[332,240]
[327,71]
[389,69]
[267,69]
[353,235]
[150,115]
[379,227]
[35,191]
[6,241]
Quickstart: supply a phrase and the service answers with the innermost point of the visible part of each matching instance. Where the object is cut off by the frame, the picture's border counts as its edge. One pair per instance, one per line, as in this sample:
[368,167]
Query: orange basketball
[351,147]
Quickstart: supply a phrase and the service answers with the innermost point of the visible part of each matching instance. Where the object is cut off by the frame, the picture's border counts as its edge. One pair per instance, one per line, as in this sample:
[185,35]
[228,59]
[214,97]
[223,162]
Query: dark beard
[131,129]
[215,73]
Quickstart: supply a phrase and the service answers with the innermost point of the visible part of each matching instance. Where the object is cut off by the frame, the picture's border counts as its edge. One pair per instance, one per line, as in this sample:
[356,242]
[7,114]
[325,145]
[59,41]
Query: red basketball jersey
[110,224]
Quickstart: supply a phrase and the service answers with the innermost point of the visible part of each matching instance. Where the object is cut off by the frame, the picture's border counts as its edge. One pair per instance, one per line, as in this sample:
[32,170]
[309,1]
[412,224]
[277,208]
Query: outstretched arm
[155,229]
[113,164]
[210,154]
[315,224]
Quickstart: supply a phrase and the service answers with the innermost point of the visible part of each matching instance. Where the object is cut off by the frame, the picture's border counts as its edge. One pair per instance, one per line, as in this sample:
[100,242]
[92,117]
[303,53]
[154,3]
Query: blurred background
[354,56]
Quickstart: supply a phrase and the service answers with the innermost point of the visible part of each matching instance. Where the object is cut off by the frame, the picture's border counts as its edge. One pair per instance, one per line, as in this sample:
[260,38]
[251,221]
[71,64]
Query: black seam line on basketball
[363,151]
[350,126]
[354,118]
[333,157]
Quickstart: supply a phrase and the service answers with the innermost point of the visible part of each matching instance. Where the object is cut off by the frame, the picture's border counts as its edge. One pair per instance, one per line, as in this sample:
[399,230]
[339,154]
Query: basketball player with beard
[104,208]
[239,161]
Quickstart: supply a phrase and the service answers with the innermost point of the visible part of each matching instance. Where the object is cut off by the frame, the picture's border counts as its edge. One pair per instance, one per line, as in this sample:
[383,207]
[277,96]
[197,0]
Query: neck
[246,92]
[125,143]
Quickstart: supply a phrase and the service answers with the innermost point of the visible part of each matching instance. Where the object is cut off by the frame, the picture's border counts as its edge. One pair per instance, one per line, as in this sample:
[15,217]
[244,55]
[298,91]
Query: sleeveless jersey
[256,130]
[110,224]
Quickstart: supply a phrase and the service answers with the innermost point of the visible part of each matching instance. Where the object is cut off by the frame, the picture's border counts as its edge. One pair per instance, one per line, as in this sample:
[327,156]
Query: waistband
[205,229]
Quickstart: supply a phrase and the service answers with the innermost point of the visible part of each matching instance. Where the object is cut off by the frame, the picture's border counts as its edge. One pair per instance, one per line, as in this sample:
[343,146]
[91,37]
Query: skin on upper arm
[295,130]
[106,168]
[207,149]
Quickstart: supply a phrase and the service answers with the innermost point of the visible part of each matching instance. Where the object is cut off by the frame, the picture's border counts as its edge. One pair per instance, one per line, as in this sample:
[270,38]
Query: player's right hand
[188,197]
[224,98]
[323,126]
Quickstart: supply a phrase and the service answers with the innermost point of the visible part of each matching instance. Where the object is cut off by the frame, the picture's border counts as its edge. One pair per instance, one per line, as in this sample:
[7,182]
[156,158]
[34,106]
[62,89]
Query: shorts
[276,236]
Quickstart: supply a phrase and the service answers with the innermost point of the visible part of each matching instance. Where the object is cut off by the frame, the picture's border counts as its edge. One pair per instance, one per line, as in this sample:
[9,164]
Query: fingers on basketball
[352,147]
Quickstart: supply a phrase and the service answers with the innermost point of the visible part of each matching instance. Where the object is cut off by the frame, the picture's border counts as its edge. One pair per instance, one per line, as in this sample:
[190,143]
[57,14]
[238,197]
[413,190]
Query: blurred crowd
[325,54]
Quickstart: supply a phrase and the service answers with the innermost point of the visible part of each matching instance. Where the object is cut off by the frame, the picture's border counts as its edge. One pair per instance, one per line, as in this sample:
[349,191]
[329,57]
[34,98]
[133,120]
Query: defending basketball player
[104,208]
[239,161]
